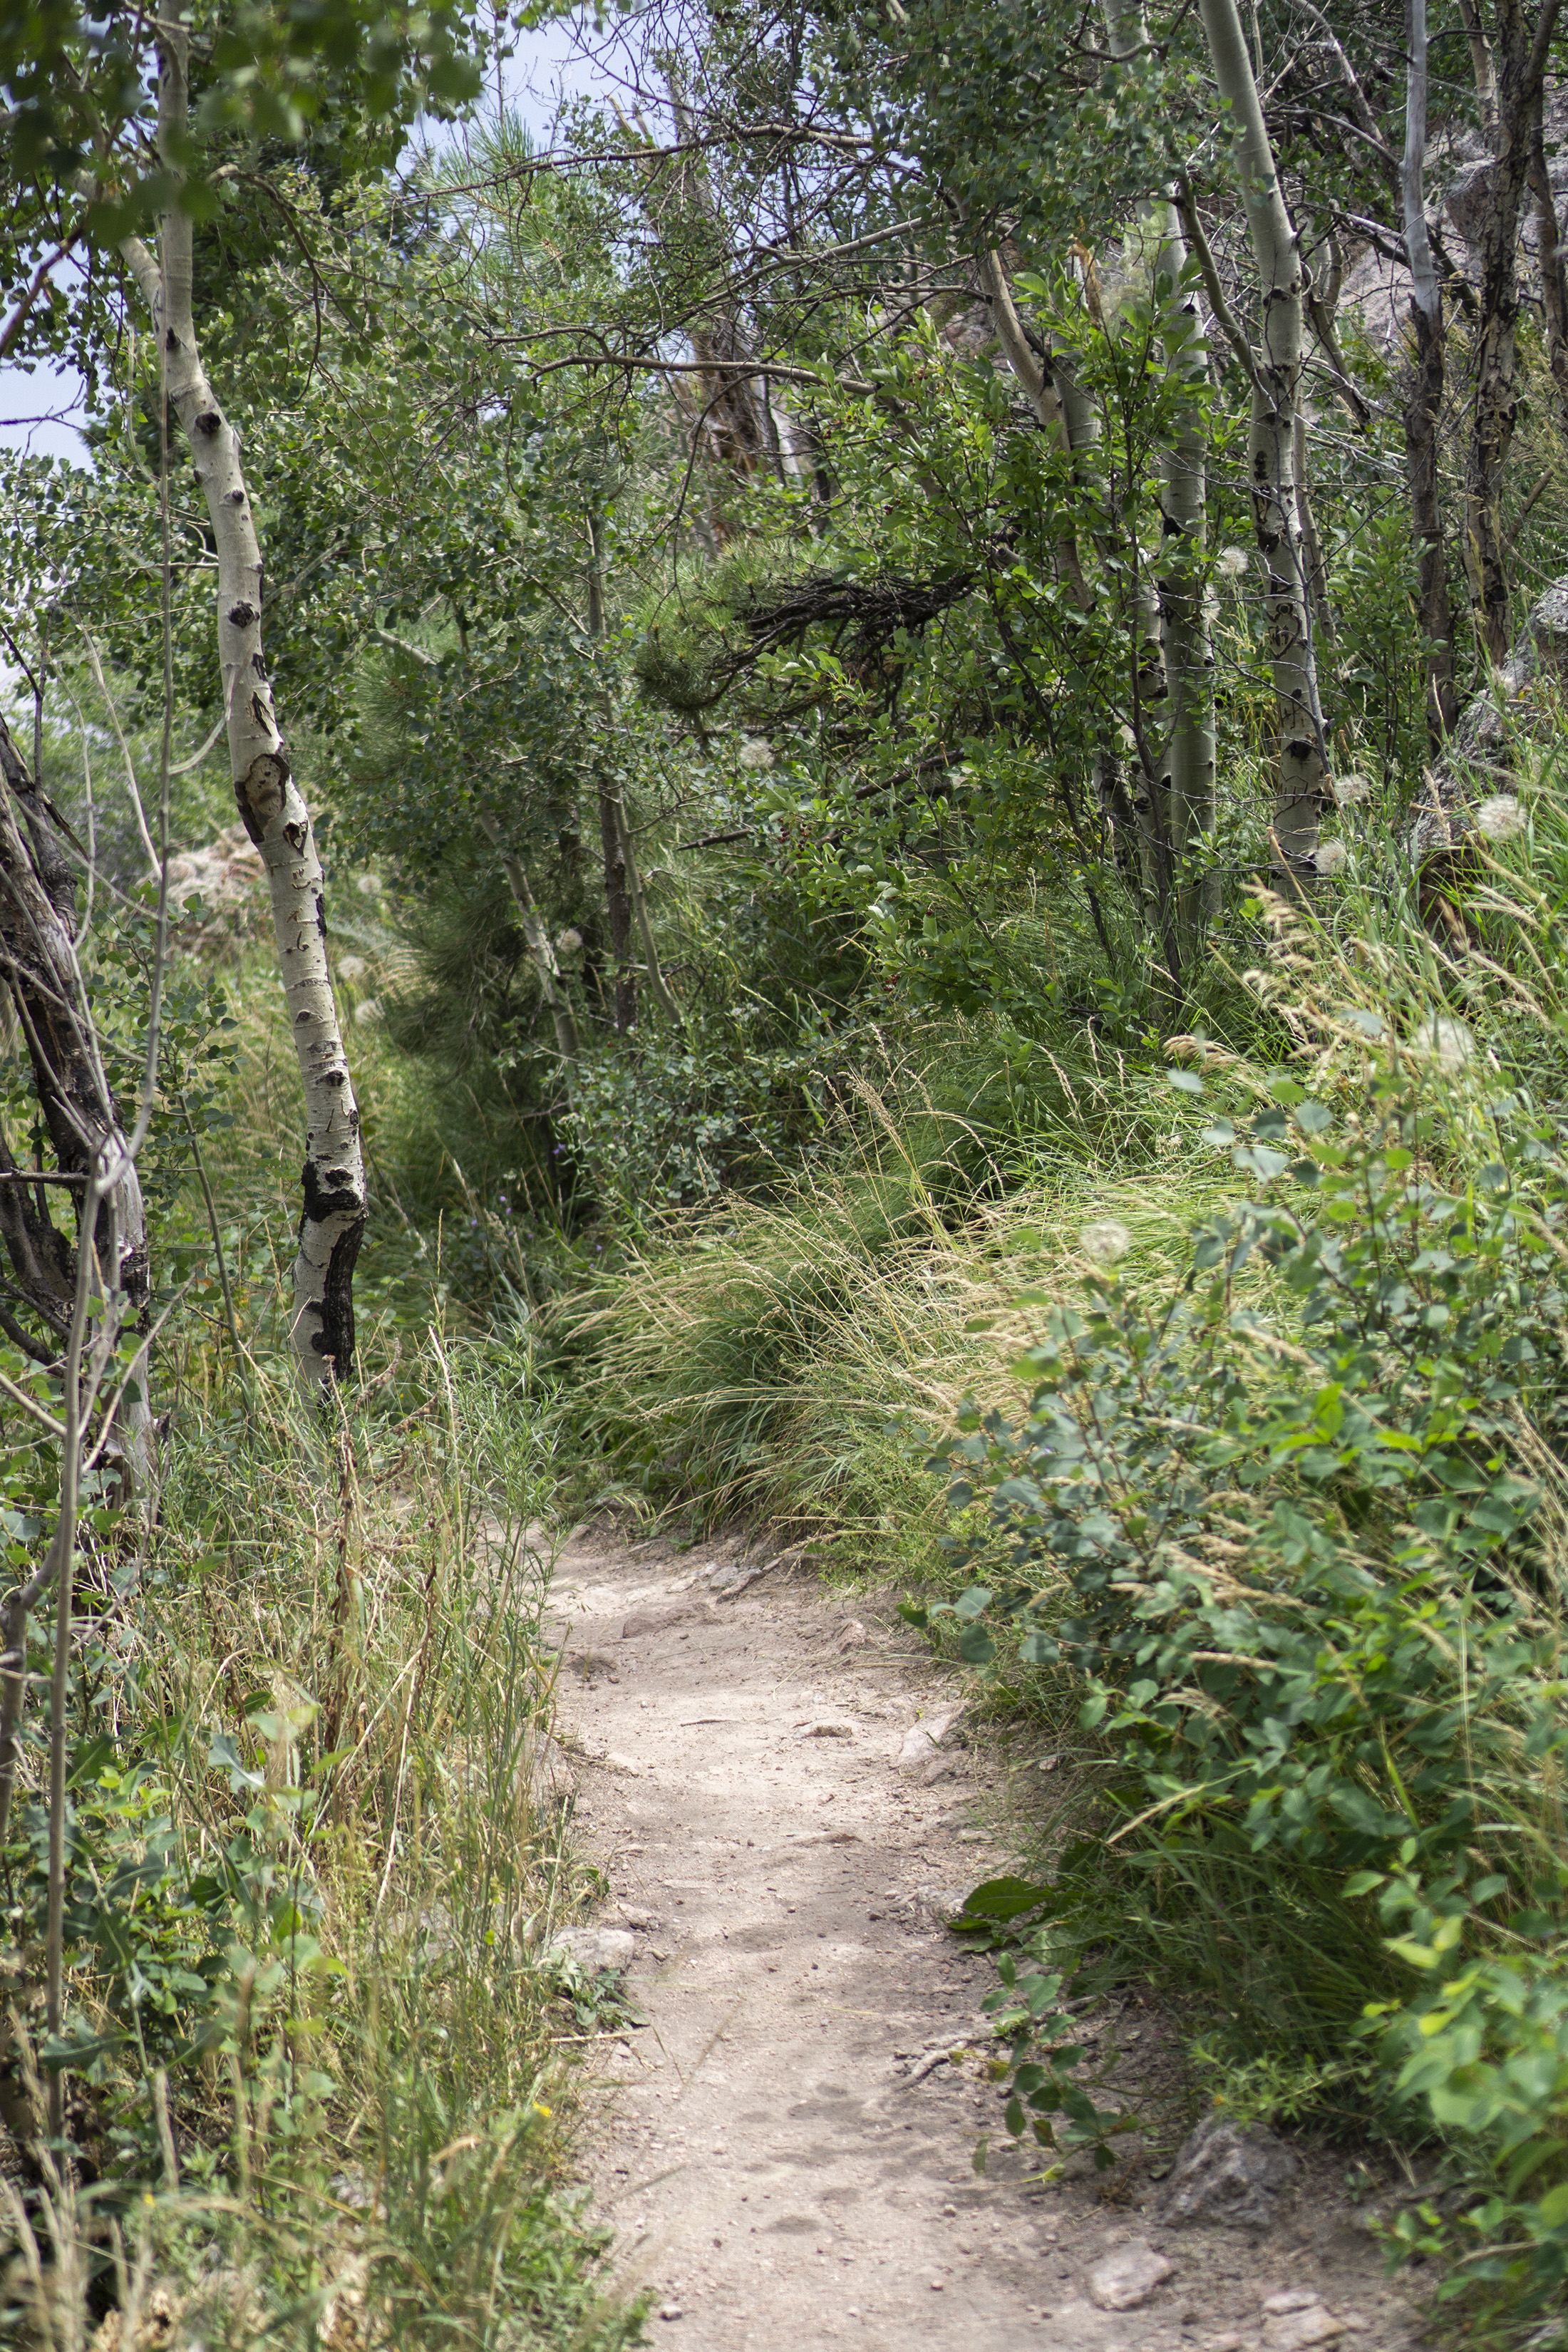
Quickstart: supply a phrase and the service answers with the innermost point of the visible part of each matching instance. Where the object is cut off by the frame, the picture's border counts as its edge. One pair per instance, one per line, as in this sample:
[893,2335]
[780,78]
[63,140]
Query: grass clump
[319,1850]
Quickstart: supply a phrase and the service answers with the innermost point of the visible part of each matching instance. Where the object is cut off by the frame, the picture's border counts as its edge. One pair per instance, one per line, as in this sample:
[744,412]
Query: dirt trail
[780,2160]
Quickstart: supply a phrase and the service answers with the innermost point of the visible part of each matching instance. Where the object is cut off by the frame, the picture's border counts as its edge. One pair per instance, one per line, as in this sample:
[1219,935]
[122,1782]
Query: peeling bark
[273,811]
[38,956]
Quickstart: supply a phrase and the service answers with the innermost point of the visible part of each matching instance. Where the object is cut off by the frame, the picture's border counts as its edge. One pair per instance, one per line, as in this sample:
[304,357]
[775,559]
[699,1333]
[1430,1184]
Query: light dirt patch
[785,2150]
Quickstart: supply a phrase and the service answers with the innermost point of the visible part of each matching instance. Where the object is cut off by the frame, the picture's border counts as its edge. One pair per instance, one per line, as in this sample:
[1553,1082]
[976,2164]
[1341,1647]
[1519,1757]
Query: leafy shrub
[1291,1534]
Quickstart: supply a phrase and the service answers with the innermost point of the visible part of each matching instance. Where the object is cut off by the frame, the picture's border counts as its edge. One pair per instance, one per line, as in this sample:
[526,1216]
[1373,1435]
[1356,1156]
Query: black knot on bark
[258,666]
[208,421]
[172,340]
[242,615]
[237,497]
[294,835]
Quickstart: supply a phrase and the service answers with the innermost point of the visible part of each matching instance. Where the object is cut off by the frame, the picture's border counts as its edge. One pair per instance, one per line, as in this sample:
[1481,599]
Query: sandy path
[778,2162]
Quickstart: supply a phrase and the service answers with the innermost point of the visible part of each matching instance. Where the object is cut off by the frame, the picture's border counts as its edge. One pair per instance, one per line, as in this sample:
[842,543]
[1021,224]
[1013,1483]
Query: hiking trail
[784,2151]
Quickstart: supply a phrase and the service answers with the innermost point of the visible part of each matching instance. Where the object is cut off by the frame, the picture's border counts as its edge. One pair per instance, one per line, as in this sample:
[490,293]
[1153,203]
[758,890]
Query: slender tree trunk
[332,1225]
[1481,68]
[541,948]
[617,898]
[1519,71]
[38,954]
[1425,407]
[1044,392]
[1186,784]
[1302,782]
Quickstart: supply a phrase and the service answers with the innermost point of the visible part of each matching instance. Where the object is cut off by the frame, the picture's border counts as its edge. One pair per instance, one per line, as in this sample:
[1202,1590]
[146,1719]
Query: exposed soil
[787,2148]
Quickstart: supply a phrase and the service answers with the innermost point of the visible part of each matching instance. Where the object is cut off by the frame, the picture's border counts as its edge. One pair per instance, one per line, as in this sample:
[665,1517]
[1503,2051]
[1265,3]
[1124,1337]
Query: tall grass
[329,1794]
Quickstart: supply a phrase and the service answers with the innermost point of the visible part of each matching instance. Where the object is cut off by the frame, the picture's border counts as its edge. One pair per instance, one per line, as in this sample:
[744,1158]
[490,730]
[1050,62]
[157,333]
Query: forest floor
[786,2149]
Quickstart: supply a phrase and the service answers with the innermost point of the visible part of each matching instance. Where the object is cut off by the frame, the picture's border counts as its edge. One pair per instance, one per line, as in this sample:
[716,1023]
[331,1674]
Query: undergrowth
[318,1852]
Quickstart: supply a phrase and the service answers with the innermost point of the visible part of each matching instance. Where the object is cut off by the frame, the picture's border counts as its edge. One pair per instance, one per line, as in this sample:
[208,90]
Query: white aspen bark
[1482,67]
[274,813]
[1302,780]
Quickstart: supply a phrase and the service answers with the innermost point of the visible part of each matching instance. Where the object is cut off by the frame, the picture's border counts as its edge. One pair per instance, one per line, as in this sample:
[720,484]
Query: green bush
[1291,1534]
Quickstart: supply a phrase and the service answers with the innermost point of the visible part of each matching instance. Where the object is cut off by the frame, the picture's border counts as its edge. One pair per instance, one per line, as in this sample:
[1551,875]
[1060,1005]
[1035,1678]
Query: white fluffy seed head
[570,943]
[352,967]
[1500,818]
[755,752]
[369,886]
[1448,1042]
[1231,562]
[1105,1241]
[1331,858]
[1348,790]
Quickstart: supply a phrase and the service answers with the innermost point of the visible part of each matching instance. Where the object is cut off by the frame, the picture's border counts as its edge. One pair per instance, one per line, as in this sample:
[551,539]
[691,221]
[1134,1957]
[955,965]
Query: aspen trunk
[1302,782]
[1517,70]
[1425,406]
[332,1225]
[1186,783]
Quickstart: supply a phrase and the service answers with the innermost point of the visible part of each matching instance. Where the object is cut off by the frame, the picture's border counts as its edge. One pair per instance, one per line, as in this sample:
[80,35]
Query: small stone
[923,1739]
[1231,2343]
[1296,2331]
[1224,2173]
[937,2285]
[941,1768]
[828,1731]
[1129,2277]
[853,1636]
[651,1620]
[1292,2298]
[595,1947]
[670,2311]
[636,1918]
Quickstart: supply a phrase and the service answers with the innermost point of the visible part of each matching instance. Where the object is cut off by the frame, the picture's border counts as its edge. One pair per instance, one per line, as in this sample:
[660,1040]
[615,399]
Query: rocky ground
[785,1806]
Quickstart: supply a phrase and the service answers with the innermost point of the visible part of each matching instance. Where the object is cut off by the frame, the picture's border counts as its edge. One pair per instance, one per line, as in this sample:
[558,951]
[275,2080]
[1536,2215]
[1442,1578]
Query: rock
[1308,2324]
[594,1947]
[828,1731]
[670,2311]
[934,1907]
[941,1768]
[636,1918]
[651,1620]
[1225,2173]
[923,1738]
[852,1636]
[1129,2277]
[1290,2298]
